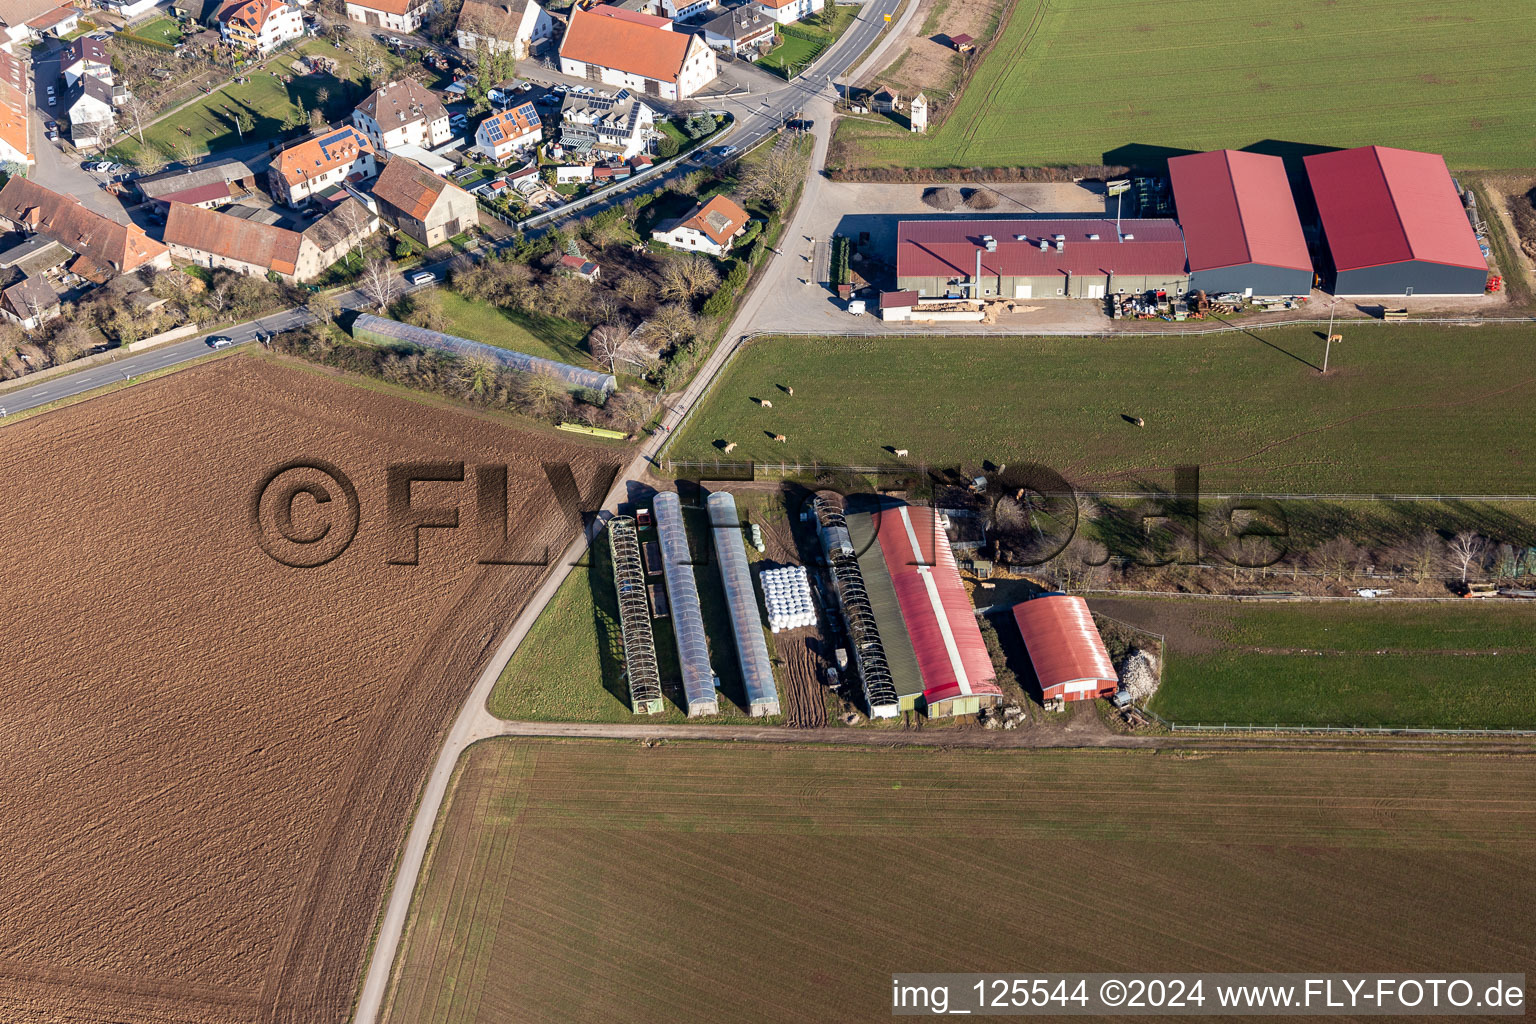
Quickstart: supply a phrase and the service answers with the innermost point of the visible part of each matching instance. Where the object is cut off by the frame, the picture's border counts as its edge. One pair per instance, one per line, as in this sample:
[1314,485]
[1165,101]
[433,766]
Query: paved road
[474,722]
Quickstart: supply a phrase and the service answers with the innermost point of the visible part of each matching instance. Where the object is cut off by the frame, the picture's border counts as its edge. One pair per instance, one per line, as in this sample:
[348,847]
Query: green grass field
[164,30]
[1078,81]
[593,881]
[794,49]
[1459,665]
[1403,409]
[210,122]
[550,337]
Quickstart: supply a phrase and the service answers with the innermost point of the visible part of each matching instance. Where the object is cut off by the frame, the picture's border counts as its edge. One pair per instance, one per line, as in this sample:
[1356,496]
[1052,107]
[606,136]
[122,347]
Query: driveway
[58,163]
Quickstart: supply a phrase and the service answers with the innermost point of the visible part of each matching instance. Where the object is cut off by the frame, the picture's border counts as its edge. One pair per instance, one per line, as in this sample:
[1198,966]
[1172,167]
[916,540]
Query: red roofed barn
[1065,648]
[1394,224]
[635,51]
[1078,258]
[1240,224]
[937,658]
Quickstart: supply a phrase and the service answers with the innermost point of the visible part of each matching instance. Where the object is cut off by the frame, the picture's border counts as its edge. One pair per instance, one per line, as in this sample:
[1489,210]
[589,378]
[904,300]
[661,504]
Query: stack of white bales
[788,592]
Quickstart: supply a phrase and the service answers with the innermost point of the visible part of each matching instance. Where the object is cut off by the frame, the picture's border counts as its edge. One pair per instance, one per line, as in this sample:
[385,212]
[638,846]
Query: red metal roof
[1381,205]
[947,248]
[1064,646]
[935,608]
[1236,208]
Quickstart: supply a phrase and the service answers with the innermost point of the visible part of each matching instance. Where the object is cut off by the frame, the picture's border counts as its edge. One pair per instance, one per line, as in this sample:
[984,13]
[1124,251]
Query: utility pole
[1328,345]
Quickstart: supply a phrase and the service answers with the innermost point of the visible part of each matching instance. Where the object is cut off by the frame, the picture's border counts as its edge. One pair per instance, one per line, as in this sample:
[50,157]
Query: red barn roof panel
[1236,208]
[1064,646]
[947,248]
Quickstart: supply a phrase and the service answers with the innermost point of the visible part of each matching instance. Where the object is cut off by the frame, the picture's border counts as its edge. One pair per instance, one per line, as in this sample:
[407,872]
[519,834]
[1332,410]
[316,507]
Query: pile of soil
[943,199]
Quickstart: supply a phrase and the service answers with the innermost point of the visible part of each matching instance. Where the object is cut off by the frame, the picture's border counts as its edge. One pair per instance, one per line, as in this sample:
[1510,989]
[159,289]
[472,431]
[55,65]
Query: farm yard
[1111,81]
[1424,666]
[603,881]
[209,757]
[1406,409]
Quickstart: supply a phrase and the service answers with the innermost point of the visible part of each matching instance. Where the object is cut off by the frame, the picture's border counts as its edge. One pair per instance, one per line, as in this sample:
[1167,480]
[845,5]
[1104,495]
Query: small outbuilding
[1065,648]
[1240,224]
[1393,224]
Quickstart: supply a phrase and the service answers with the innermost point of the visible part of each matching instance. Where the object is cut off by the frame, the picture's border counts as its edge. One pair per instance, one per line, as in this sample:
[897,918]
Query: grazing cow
[780,438]
[765,403]
[1335,337]
[730,447]
[901,453]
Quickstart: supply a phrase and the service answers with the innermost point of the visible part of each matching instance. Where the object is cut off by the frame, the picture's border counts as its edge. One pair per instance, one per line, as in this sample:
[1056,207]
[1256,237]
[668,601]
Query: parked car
[50,90]
[53,101]
[220,341]
[425,277]
[52,126]
[726,151]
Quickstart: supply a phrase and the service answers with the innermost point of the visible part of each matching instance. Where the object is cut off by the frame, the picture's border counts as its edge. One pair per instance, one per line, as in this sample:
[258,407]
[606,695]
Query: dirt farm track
[207,758]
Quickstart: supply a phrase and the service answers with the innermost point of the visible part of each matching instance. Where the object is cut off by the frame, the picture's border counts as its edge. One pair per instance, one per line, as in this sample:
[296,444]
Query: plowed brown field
[208,759]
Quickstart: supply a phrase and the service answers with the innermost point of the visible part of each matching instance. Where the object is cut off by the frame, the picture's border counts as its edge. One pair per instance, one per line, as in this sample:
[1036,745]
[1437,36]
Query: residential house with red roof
[15,139]
[711,227]
[639,52]
[509,134]
[1240,224]
[395,15]
[260,25]
[787,12]
[314,165]
[218,240]
[428,208]
[1076,258]
[1393,224]
[104,247]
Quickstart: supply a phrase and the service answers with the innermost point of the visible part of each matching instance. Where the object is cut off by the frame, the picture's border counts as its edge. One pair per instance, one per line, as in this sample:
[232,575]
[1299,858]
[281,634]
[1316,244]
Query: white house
[712,227]
[85,56]
[786,12]
[59,22]
[89,106]
[509,134]
[314,165]
[261,25]
[395,15]
[636,51]
[403,113]
[619,126]
[129,9]
[516,25]
[740,30]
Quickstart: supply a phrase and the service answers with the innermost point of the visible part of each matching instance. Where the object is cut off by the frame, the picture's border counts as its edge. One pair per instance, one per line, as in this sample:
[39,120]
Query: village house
[209,185]
[744,30]
[395,15]
[14,18]
[216,240]
[314,165]
[403,113]
[260,25]
[509,134]
[787,12]
[59,22]
[605,126]
[422,205]
[30,302]
[640,52]
[511,25]
[104,247]
[15,138]
[711,227]
[85,56]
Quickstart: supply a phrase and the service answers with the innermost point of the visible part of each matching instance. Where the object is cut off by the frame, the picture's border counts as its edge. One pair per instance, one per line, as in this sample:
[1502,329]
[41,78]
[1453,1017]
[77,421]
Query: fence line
[1336,730]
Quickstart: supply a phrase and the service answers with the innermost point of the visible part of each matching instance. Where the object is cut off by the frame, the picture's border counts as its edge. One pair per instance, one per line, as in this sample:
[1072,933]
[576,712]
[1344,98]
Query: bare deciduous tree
[684,277]
[323,306]
[1420,556]
[672,324]
[605,341]
[776,178]
[1467,550]
[378,282]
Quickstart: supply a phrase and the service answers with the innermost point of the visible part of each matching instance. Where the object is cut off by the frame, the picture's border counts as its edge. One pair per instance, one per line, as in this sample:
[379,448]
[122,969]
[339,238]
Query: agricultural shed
[1020,258]
[1393,224]
[938,660]
[746,622]
[687,615]
[1065,648]
[382,331]
[1240,224]
[640,666]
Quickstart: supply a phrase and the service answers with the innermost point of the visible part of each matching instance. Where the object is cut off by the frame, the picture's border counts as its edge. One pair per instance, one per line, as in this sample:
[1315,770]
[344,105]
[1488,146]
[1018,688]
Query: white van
[425,277]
